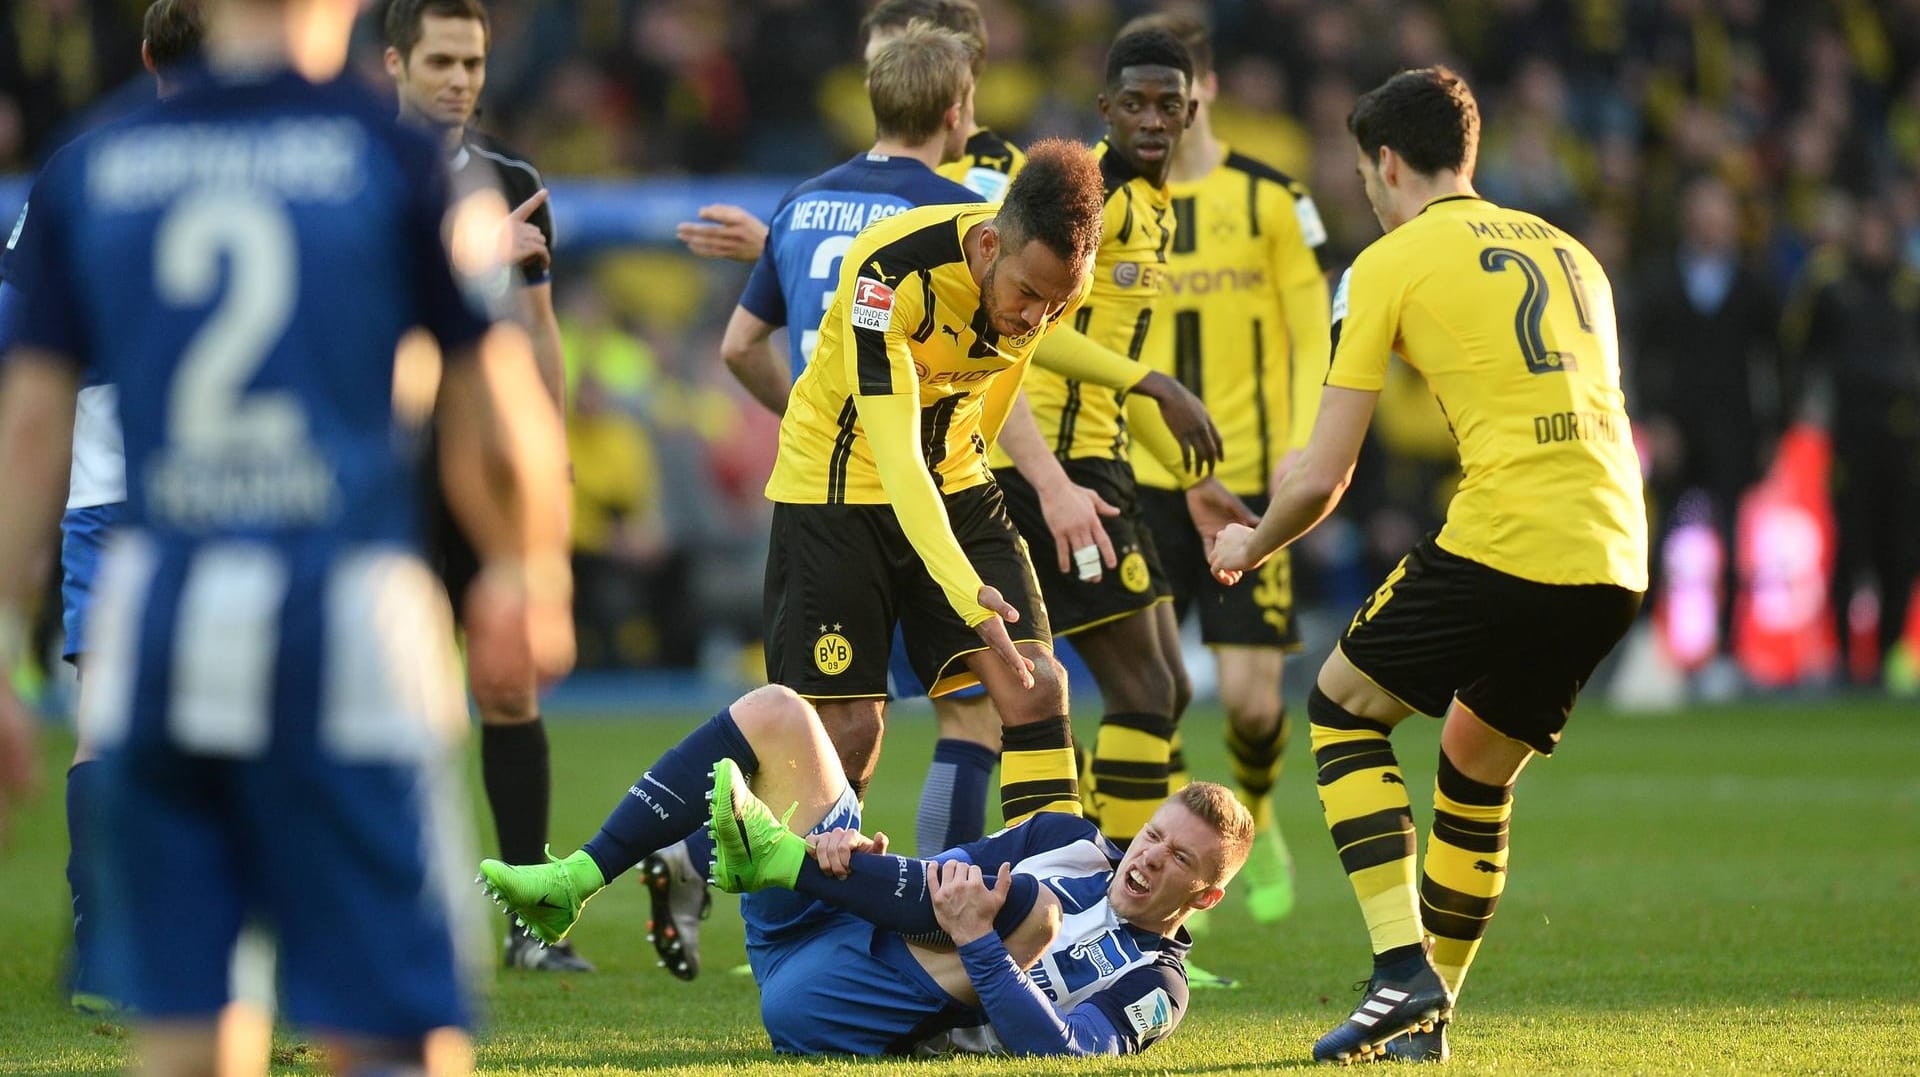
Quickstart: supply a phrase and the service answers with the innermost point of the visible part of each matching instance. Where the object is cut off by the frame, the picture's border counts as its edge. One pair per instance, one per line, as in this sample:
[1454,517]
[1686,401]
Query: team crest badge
[832,654]
[1133,572]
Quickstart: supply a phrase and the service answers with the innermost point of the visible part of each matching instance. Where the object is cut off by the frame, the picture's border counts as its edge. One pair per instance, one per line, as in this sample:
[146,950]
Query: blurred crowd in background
[1747,170]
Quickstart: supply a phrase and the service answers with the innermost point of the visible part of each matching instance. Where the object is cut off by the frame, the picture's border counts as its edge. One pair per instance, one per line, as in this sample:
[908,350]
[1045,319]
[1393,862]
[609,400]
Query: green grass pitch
[1731,890]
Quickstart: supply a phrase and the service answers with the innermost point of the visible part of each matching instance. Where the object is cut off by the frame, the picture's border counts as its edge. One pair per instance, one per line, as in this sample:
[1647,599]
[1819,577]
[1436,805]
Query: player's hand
[1200,444]
[19,766]
[520,239]
[520,626]
[731,233]
[993,632]
[834,849]
[1073,515]
[1233,552]
[962,904]
[1213,507]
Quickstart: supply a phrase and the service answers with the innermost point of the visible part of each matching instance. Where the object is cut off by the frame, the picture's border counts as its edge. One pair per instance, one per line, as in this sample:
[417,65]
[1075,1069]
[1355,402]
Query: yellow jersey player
[1079,450]
[1241,321]
[1498,621]
[884,508]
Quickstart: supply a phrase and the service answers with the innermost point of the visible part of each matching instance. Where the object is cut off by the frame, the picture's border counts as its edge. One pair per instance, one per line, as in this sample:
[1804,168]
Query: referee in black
[437,55]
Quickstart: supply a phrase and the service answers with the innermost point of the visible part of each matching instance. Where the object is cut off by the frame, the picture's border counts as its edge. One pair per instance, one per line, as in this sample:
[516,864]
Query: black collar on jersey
[1451,198]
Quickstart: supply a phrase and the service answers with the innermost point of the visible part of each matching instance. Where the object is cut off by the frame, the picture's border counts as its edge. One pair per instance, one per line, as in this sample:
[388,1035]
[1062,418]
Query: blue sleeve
[1021,1015]
[38,264]
[763,298]
[1143,1007]
[12,309]
[1041,833]
[447,310]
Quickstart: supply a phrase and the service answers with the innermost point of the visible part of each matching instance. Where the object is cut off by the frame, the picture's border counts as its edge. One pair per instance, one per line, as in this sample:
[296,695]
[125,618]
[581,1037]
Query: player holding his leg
[1498,621]
[1044,939]
[1242,321]
[437,56]
[274,698]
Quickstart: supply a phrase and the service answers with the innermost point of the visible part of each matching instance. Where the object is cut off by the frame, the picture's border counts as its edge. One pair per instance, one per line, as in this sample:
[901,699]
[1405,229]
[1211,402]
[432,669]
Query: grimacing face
[1025,286]
[1169,866]
[441,79]
[1147,111]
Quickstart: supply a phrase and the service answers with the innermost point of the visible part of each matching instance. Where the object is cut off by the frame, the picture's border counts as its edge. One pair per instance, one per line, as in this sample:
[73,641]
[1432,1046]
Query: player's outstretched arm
[1195,440]
[37,391]
[747,349]
[503,465]
[724,231]
[1310,490]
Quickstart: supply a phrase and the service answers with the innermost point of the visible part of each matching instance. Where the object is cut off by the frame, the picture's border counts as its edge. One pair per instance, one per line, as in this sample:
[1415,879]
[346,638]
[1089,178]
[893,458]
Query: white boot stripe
[1376,1006]
[1366,1019]
[1392,995]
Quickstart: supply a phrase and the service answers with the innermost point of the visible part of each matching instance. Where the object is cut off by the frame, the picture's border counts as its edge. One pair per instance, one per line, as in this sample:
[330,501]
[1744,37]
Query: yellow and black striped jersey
[1511,323]
[906,319]
[988,165]
[1242,316]
[1080,420]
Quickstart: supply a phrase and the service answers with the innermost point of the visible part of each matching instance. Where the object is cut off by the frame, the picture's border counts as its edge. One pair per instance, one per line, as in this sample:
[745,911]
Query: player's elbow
[1324,485]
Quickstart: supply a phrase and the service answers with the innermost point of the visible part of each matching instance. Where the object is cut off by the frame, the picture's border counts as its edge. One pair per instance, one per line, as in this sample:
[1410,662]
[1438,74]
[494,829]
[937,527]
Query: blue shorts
[830,982]
[349,866]
[905,683]
[83,535]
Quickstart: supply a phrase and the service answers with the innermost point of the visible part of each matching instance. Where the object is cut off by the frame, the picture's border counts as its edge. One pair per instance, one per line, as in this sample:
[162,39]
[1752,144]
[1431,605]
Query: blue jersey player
[97,486]
[274,696]
[1043,939]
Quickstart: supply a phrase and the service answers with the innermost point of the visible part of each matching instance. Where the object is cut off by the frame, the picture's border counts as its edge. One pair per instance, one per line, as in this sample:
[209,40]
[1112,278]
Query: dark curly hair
[1426,115]
[1149,47]
[1057,199]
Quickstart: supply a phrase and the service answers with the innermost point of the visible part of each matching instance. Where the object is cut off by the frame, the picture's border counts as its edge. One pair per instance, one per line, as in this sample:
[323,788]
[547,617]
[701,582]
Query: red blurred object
[1783,616]
[1687,616]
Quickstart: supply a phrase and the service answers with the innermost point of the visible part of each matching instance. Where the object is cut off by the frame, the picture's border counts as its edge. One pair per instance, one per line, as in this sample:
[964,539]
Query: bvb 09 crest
[832,654]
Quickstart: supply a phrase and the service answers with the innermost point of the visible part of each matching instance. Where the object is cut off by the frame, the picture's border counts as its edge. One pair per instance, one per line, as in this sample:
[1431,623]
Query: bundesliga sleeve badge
[872,305]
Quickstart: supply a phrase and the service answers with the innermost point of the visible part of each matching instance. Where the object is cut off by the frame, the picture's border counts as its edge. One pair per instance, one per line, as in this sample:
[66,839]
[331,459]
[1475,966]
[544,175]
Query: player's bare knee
[504,702]
[773,710]
[1036,933]
[1048,697]
[1182,690]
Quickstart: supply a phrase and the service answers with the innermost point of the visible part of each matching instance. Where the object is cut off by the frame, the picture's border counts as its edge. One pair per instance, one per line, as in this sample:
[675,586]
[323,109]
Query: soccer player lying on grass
[1042,939]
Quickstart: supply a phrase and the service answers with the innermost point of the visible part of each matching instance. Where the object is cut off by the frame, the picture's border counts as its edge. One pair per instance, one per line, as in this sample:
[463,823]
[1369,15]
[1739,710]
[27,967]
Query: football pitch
[1734,889]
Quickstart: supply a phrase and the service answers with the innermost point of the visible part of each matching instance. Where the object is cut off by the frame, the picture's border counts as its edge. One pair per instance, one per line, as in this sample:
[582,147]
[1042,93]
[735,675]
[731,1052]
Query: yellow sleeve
[1071,354]
[1366,320]
[1304,304]
[886,396]
[892,424]
[1151,433]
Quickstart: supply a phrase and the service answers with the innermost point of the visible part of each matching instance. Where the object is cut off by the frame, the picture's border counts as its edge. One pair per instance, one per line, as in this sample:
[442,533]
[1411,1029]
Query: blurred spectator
[1854,331]
[1705,368]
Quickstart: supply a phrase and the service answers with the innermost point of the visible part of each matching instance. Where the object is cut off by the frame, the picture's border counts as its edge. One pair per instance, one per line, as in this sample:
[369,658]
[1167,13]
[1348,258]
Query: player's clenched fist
[962,903]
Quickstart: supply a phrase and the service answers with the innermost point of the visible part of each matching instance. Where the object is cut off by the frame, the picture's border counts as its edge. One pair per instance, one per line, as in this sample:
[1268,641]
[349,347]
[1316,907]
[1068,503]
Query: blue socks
[83,800]
[669,801]
[953,803]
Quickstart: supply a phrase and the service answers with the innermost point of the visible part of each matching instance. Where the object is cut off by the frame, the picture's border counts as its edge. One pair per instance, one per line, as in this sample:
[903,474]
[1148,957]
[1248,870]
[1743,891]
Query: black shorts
[1514,651]
[1256,612]
[1073,603]
[448,552]
[840,576]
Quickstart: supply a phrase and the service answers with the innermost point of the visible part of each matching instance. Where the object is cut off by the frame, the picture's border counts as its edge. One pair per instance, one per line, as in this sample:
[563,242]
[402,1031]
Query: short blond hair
[915,78]
[1216,806]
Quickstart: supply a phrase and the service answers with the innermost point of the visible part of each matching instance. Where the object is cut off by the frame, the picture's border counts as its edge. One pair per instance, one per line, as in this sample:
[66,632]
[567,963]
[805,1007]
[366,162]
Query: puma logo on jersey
[952,332]
[881,273]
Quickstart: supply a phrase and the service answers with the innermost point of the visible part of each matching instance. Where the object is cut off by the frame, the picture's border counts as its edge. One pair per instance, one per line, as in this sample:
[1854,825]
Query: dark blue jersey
[793,282]
[241,262]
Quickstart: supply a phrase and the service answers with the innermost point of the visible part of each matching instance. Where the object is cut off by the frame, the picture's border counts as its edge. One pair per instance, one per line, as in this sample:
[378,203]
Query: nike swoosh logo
[744,843]
[545,904]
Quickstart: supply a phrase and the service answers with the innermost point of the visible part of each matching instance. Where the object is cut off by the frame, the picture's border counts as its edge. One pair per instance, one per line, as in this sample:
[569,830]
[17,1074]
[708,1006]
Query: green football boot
[752,850]
[545,898]
[1268,878]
